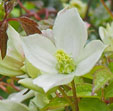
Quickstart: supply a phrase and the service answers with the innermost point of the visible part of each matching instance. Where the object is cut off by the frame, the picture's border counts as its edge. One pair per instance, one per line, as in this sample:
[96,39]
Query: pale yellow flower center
[65,63]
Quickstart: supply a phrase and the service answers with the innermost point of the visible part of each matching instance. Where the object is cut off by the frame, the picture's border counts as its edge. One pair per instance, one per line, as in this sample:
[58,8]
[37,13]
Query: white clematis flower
[13,61]
[106,35]
[69,56]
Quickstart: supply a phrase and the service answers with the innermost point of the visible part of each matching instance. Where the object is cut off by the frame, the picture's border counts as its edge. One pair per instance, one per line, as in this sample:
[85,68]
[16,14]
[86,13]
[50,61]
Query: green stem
[74,96]
[65,96]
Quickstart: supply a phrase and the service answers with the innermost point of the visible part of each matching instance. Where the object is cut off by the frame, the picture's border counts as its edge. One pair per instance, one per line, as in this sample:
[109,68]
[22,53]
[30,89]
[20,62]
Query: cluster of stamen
[65,63]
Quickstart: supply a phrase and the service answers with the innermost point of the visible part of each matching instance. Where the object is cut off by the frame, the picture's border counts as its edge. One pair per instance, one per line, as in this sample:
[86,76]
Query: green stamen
[65,64]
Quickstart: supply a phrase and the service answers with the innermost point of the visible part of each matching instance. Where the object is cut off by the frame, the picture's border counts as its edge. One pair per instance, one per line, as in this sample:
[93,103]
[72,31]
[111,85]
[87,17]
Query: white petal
[13,61]
[49,34]
[20,96]
[15,41]
[102,33]
[106,37]
[9,66]
[40,52]
[92,52]
[70,31]
[48,81]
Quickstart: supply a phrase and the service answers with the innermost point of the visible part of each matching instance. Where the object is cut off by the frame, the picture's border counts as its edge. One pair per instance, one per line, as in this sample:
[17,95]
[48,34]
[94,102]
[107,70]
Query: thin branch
[65,96]
[111,3]
[103,98]
[75,96]
[88,7]
[29,12]
[12,19]
[13,86]
[108,10]
[21,5]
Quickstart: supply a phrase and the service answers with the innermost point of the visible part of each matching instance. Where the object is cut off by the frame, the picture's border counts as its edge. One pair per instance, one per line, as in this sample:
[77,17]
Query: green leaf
[15,12]
[78,80]
[89,104]
[83,90]
[29,5]
[110,106]
[109,91]
[101,77]
[12,106]
[2,12]
[28,83]
[111,66]
[90,74]
[55,103]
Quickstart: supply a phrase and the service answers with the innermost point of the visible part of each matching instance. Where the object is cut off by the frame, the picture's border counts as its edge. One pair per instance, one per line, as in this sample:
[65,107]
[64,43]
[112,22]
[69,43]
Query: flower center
[65,63]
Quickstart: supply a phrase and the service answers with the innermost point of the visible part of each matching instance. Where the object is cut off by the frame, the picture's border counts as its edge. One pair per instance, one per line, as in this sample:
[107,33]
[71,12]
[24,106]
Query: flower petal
[106,37]
[9,66]
[102,33]
[21,96]
[13,61]
[39,51]
[92,52]
[70,31]
[49,34]
[15,41]
[48,81]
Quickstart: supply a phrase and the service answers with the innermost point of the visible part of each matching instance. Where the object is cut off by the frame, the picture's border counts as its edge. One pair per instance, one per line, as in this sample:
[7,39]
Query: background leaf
[92,105]
[55,103]
[101,77]
[109,90]
[30,26]
[3,38]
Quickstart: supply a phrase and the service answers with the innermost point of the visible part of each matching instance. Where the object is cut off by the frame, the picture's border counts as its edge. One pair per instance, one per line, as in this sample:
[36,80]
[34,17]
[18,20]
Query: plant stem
[12,19]
[111,100]
[88,7]
[28,11]
[102,91]
[105,6]
[21,5]
[111,2]
[75,96]
[65,96]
